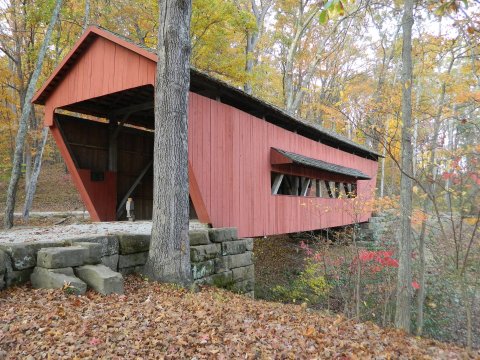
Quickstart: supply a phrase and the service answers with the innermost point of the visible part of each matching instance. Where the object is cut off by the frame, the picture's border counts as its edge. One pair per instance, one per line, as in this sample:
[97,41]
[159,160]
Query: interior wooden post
[112,146]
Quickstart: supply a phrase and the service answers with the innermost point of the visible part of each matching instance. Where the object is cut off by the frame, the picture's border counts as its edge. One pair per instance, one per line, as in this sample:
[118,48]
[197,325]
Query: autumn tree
[24,118]
[169,254]
[259,9]
[403,303]
[218,36]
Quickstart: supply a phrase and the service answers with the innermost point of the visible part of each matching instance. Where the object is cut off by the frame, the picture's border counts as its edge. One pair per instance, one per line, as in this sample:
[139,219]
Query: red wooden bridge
[251,165]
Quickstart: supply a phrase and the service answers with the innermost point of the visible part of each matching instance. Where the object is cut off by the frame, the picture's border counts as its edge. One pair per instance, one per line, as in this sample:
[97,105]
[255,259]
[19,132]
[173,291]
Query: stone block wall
[379,230]
[78,266]
[218,257]
[19,260]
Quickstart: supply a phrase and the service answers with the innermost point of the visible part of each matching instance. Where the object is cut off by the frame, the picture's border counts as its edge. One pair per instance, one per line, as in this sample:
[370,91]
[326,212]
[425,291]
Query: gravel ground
[65,232]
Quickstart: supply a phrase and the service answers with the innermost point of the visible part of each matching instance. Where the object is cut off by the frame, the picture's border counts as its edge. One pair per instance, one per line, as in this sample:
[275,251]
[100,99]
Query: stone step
[101,278]
[3,262]
[125,261]
[198,237]
[3,269]
[133,243]
[205,252]
[43,278]
[62,257]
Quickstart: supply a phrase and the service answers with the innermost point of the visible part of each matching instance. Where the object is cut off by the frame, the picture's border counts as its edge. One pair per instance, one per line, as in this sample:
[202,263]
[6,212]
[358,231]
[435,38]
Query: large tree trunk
[404,280]
[23,123]
[169,255]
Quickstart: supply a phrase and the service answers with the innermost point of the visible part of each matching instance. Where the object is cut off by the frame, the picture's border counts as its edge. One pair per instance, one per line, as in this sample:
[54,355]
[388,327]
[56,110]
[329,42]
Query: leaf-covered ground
[55,191]
[161,321]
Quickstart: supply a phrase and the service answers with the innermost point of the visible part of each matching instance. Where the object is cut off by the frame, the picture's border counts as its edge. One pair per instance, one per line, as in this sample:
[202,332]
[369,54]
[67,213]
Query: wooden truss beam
[131,109]
[305,186]
[196,197]
[337,189]
[114,130]
[318,188]
[296,184]
[329,190]
[276,183]
[121,206]
[353,190]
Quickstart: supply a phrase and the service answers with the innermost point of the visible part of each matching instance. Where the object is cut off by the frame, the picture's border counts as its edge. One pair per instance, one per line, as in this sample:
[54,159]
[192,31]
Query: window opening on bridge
[293,185]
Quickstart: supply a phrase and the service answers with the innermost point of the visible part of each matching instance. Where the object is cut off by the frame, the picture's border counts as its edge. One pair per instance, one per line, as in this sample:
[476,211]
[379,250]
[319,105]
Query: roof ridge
[126,38]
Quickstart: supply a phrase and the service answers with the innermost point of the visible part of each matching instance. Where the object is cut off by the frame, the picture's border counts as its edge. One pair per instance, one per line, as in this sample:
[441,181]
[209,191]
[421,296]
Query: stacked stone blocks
[379,229]
[218,258]
[73,268]
[133,251]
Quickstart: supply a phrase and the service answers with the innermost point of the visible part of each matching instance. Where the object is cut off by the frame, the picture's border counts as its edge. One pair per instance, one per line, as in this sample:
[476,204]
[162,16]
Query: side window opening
[293,185]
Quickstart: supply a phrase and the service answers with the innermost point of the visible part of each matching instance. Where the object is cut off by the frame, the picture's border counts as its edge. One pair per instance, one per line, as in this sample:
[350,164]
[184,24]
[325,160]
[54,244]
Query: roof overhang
[282,157]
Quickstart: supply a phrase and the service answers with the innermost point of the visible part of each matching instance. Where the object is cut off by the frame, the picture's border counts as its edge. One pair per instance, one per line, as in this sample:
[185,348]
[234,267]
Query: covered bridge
[251,165]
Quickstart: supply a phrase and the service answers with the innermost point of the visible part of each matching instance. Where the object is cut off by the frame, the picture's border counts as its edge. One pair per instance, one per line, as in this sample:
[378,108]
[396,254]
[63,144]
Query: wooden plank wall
[230,154]
[88,141]
[104,69]
[229,151]
[135,150]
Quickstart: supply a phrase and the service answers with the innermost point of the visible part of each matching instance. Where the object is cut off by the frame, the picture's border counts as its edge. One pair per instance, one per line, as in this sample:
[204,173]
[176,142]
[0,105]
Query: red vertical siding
[103,194]
[104,69]
[230,155]
[229,150]
[98,197]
